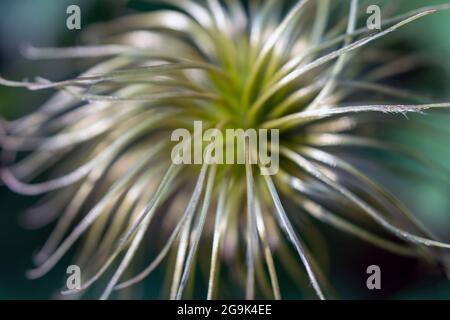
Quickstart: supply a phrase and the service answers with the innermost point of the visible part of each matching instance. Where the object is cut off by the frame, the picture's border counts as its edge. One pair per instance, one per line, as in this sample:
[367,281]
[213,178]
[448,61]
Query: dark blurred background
[43,23]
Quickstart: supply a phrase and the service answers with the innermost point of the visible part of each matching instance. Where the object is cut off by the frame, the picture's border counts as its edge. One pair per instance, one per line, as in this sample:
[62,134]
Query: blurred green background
[42,23]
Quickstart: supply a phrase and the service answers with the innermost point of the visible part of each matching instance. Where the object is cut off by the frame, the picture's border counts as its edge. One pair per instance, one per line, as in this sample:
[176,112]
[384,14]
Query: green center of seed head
[226,146]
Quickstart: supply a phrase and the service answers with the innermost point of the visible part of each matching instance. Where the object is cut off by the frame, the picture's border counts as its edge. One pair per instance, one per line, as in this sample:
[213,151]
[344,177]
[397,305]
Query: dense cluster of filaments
[102,143]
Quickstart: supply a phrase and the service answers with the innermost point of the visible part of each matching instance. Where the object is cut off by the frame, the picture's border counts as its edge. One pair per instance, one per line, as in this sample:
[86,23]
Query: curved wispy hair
[301,68]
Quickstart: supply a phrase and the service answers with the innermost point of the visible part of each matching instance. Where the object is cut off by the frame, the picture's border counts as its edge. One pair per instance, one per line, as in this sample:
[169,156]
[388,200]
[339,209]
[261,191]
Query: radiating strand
[128,257]
[45,211]
[292,76]
[318,174]
[251,230]
[90,218]
[321,20]
[219,229]
[296,61]
[70,213]
[32,52]
[371,143]
[292,236]
[33,189]
[341,61]
[164,188]
[183,245]
[187,215]
[86,80]
[197,232]
[326,112]
[334,161]
[268,46]
[325,216]
[69,137]
[267,251]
